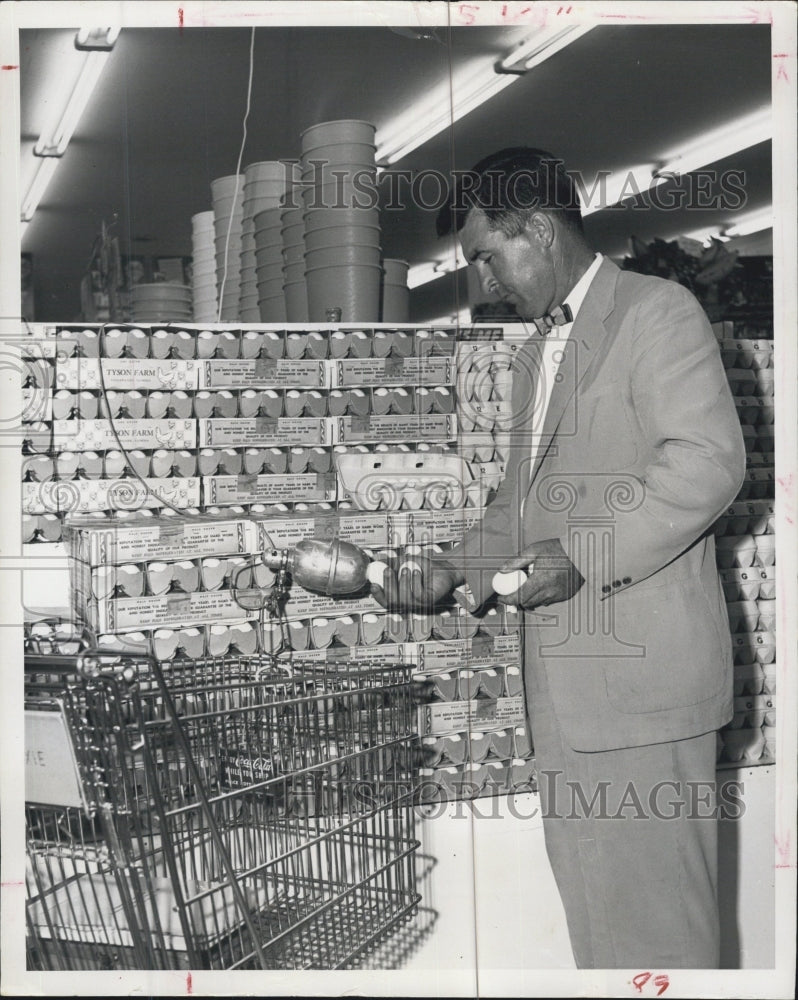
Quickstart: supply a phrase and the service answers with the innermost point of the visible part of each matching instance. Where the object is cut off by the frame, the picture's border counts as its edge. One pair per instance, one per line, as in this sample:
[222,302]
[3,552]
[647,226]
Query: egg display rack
[236,432]
[745,544]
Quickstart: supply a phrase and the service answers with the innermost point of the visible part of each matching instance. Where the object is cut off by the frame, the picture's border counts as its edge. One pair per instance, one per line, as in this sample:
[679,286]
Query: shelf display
[173,454]
[745,543]
[320,430]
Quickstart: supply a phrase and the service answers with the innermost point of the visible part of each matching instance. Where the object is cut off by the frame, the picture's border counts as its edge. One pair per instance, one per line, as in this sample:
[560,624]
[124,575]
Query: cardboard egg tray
[466,716]
[745,353]
[310,488]
[166,539]
[474,781]
[448,749]
[368,529]
[188,642]
[83,495]
[251,341]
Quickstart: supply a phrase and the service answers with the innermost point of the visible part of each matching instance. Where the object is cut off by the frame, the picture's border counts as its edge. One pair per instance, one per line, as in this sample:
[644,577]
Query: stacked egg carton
[475,737]
[258,425]
[215,417]
[746,550]
[165,585]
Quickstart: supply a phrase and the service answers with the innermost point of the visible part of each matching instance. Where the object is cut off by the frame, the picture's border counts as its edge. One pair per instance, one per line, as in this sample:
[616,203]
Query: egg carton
[140,539]
[469,781]
[474,714]
[82,495]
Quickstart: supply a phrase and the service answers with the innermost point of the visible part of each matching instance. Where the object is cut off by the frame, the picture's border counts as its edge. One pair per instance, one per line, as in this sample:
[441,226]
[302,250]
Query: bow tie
[559,316]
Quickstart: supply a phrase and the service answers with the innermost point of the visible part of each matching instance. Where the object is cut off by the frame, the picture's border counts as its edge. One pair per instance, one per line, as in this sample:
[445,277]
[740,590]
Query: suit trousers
[632,839]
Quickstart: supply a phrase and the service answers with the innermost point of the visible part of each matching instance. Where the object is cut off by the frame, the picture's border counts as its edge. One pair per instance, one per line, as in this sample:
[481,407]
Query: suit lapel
[580,352]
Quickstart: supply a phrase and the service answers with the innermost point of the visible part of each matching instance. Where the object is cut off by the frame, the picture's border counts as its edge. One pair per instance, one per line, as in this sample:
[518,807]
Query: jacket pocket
[685,662]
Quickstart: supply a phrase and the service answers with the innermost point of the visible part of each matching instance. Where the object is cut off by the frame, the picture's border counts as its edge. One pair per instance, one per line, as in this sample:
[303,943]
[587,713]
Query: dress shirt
[553,352]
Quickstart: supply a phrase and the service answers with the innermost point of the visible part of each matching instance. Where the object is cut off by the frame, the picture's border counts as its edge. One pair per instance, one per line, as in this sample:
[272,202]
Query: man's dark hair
[508,186]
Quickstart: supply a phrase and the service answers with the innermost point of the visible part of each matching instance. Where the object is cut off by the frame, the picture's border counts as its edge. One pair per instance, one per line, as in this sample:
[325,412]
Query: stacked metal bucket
[163,300]
[299,241]
[265,184]
[269,265]
[292,241]
[342,228]
[203,282]
[395,304]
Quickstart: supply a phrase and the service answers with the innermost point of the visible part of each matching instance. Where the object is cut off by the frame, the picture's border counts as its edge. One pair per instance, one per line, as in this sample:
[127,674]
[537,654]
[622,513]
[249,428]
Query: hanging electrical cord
[148,490]
[238,173]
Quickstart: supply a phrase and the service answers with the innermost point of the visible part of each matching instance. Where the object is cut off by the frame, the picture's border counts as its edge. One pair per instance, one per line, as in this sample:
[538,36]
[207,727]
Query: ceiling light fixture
[470,88]
[539,48]
[453,263]
[102,39]
[717,144]
[461,318]
[706,236]
[52,144]
[746,224]
[754,222]
[604,192]
[422,274]
[710,147]
[41,180]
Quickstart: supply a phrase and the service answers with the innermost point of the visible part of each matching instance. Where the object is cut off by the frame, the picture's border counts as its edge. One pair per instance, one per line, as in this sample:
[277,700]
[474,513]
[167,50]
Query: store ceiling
[166,119]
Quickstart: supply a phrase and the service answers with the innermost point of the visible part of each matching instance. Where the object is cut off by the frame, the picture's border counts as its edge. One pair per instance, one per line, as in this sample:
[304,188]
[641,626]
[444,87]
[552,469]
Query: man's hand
[420,585]
[553,577]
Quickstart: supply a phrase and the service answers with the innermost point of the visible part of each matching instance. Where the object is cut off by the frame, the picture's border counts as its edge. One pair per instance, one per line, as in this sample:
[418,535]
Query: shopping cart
[217,813]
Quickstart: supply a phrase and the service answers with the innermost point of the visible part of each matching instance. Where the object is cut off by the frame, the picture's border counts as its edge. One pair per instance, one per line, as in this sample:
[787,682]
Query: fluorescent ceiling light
[422,274]
[462,318]
[751,222]
[604,192]
[39,184]
[96,38]
[706,236]
[453,263]
[56,142]
[52,143]
[538,48]
[755,222]
[710,147]
[719,143]
[470,88]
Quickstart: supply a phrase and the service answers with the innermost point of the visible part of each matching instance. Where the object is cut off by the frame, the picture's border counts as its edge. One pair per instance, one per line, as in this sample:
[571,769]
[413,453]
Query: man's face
[519,269]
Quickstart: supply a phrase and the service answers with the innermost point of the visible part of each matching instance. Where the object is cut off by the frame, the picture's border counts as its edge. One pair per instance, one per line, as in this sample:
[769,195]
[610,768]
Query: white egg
[375,572]
[509,583]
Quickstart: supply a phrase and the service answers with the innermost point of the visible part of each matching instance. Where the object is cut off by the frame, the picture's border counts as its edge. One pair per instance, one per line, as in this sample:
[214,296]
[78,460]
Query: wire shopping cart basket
[216,813]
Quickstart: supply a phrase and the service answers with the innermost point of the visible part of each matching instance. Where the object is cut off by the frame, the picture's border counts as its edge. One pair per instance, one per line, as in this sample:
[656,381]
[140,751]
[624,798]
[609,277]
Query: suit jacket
[640,452]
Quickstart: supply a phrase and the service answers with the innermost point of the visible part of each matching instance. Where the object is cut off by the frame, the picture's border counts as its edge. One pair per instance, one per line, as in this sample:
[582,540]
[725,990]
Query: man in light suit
[625,448]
